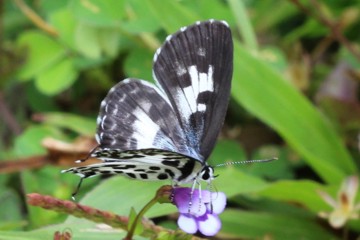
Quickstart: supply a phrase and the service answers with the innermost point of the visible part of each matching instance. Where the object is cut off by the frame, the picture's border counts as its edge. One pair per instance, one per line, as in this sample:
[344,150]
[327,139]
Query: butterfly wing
[144,164]
[136,115]
[194,69]
[139,136]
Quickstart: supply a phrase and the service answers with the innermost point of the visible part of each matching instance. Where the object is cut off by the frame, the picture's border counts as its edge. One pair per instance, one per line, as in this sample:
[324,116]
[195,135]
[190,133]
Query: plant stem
[139,217]
[35,18]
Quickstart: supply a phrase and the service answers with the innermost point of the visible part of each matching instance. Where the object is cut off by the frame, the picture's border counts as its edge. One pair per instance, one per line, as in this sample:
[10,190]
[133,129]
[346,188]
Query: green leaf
[57,78]
[303,192]
[38,101]
[81,125]
[275,57]
[227,151]
[78,231]
[277,169]
[139,64]
[109,41]
[171,14]
[12,225]
[10,209]
[268,96]
[140,18]
[243,24]
[29,142]
[92,41]
[232,176]
[249,225]
[38,181]
[98,12]
[252,202]
[42,52]
[280,14]
[65,24]
[86,40]
[216,9]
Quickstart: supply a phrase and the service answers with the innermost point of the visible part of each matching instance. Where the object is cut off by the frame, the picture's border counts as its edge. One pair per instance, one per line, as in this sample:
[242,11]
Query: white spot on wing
[102,122]
[210,79]
[180,69]
[168,38]
[225,23]
[201,52]
[158,88]
[115,111]
[200,82]
[157,54]
[112,128]
[201,107]
[112,89]
[145,129]
[97,138]
[183,29]
[127,80]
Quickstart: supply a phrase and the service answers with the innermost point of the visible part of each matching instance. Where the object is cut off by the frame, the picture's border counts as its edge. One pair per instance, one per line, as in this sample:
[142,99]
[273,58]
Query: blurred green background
[294,95]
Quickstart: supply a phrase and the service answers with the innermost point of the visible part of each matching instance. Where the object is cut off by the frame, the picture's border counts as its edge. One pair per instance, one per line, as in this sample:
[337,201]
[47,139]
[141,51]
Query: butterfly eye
[207,174]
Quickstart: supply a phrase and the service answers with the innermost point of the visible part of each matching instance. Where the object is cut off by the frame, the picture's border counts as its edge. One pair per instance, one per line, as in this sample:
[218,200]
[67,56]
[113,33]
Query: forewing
[136,115]
[194,69]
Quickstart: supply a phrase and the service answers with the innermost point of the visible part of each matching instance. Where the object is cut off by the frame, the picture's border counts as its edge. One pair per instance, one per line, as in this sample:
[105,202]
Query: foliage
[294,96]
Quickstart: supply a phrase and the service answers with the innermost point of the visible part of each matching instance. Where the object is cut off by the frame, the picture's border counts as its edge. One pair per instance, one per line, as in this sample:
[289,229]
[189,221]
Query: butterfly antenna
[77,189]
[247,161]
[88,156]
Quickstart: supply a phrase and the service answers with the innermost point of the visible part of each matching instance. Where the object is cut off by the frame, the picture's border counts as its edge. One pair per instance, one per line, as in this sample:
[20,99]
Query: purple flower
[200,215]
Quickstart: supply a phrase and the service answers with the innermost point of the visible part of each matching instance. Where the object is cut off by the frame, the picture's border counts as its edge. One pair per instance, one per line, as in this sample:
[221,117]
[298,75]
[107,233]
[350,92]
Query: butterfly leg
[191,194]
[88,156]
[200,197]
[173,185]
[209,188]
[77,189]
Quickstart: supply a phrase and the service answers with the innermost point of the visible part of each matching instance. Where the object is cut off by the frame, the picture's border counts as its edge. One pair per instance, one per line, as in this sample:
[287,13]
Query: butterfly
[168,130]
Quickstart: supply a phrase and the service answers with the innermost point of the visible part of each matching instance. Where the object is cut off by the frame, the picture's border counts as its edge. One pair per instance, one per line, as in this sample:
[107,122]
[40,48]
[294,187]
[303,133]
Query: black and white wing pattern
[194,69]
[168,131]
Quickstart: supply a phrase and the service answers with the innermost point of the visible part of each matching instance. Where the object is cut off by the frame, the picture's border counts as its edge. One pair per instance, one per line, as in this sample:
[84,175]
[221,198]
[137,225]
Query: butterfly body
[168,130]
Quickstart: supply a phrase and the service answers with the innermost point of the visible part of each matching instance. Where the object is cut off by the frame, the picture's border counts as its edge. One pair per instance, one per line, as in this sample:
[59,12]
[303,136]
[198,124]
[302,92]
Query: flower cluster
[199,211]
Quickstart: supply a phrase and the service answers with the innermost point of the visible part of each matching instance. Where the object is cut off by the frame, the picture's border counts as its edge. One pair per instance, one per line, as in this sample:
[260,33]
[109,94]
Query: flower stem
[139,217]
[162,196]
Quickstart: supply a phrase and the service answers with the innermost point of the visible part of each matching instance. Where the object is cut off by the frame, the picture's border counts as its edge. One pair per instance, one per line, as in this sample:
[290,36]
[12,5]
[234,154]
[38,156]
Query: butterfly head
[207,173]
